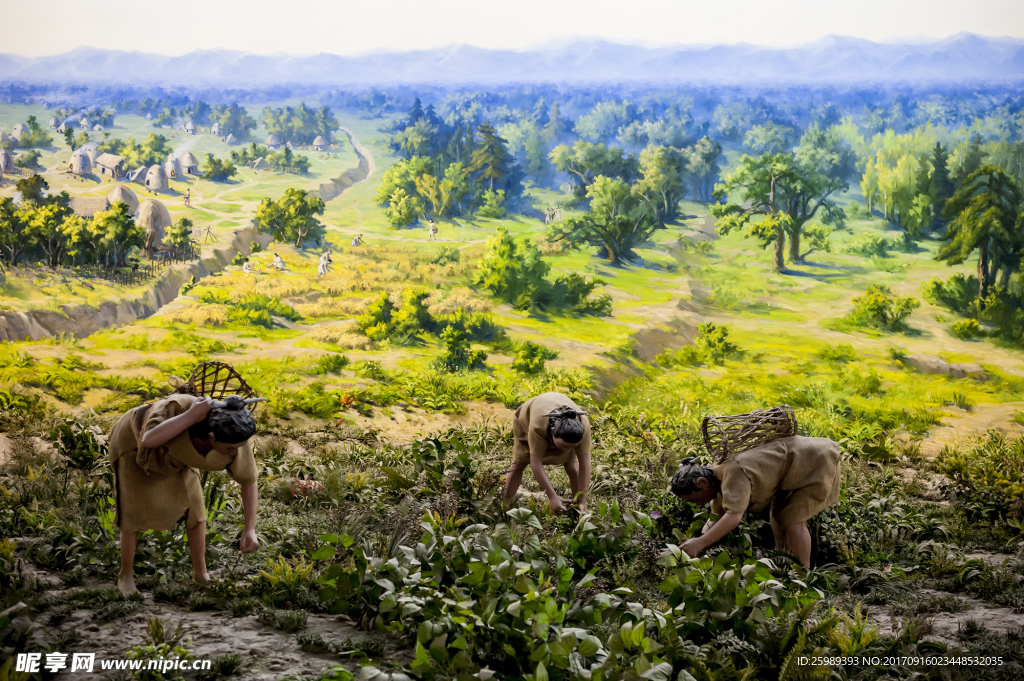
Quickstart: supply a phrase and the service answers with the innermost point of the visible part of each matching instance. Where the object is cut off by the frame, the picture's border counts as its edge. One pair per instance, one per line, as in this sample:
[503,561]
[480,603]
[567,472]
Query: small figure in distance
[325,264]
[278,263]
[549,430]
[798,477]
[357,240]
[188,196]
[431,231]
[248,268]
[156,451]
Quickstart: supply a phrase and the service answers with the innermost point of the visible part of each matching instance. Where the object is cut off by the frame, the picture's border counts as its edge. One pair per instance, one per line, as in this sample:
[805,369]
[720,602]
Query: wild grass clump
[332,307]
[198,314]
[342,335]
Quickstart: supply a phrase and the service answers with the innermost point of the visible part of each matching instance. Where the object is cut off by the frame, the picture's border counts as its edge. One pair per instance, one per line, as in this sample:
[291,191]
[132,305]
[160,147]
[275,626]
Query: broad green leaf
[589,646]
[324,553]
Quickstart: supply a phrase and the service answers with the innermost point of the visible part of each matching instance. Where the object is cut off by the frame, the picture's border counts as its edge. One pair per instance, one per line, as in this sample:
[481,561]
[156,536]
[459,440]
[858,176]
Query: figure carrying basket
[760,462]
[158,449]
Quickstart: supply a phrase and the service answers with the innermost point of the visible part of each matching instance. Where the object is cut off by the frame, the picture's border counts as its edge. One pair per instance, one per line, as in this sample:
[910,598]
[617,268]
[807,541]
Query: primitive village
[398,272]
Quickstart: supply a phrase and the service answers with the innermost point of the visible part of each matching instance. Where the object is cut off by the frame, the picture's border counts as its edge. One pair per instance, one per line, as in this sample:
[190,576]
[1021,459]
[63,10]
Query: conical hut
[149,117]
[155,219]
[156,179]
[190,127]
[173,168]
[97,128]
[91,152]
[6,162]
[85,124]
[19,131]
[231,139]
[80,163]
[124,195]
[189,163]
[54,122]
[319,144]
[273,141]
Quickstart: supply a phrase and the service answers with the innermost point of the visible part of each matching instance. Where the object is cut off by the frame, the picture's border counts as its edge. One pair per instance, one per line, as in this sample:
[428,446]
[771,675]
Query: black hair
[230,424]
[685,479]
[565,424]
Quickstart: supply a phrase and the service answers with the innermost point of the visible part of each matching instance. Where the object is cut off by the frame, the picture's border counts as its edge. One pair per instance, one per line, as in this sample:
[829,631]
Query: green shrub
[843,352]
[330,364]
[956,293]
[870,245]
[457,355]
[529,358]
[448,255]
[713,342]
[28,159]
[967,329]
[493,204]
[878,306]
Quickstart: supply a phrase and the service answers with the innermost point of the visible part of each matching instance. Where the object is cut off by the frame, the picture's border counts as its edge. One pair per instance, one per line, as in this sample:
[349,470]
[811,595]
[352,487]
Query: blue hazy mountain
[833,59]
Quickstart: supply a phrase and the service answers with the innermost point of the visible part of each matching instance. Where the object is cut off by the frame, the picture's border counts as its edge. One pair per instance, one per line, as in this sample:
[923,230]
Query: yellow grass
[341,334]
[332,307]
[198,314]
[459,298]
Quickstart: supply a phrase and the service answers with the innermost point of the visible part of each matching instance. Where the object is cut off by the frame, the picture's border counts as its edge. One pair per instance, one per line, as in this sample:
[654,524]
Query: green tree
[69,138]
[15,236]
[700,166]
[44,221]
[985,217]
[115,233]
[218,170]
[660,182]
[940,185]
[32,188]
[618,221]
[783,196]
[454,188]
[234,120]
[292,217]
[28,159]
[879,306]
[585,161]
[179,235]
[769,138]
[490,158]
[513,272]
[79,240]
[402,209]
[557,128]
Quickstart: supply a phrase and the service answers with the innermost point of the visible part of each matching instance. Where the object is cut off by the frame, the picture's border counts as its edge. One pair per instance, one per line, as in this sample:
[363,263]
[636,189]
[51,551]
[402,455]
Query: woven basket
[725,435]
[215,380]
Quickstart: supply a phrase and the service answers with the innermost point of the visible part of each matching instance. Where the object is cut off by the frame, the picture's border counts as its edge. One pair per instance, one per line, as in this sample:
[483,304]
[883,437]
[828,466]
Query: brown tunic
[157,486]
[798,476]
[530,428]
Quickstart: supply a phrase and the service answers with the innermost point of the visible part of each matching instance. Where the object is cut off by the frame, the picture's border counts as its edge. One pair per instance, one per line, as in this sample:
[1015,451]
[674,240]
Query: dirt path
[352,176]
[968,424]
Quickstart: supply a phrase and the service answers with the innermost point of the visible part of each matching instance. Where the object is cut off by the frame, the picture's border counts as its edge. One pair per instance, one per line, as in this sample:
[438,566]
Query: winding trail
[360,173]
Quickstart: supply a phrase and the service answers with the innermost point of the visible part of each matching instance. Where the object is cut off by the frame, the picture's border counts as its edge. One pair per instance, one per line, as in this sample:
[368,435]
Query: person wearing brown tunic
[550,429]
[156,451]
[797,477]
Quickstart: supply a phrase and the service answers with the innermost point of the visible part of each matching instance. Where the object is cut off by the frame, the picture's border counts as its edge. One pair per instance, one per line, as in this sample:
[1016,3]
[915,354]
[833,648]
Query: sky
[303,27]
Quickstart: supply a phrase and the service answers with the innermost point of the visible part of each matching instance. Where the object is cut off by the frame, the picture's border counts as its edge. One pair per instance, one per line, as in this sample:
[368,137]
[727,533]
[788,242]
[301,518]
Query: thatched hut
[137,175]
[6,162]
[110,164]
[190,127]
[54,122]
[273,141]
[149,116]
[173,168]
[85,124]
[91,152]
[97,128]
[80,163]
[215,129]
[189,163]
[156,178]
[124,195]
[154,218]
[20,130]
[230,139]
[88,206]
[319,144]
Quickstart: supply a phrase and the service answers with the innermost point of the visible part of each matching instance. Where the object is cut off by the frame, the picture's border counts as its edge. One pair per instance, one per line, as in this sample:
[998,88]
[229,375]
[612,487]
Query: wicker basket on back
[215,380]
[725,435]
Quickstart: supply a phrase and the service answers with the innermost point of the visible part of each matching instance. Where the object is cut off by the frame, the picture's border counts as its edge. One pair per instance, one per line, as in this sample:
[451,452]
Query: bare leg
[798,540]
[572,469]
[197,549]
[126,578]
[513,480]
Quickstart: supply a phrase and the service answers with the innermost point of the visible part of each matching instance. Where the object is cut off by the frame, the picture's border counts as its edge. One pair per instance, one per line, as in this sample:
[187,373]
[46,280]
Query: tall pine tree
[491,159]
[940,186]
[416,112]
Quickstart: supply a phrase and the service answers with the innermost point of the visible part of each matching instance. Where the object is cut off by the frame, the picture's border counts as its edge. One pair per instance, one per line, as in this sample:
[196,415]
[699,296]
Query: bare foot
[203,579]
[126,585]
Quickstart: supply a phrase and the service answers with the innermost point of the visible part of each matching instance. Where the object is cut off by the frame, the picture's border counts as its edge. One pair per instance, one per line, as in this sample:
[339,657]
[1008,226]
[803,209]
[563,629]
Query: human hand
[201,407]
[556,505]
[692,547]
[249,542]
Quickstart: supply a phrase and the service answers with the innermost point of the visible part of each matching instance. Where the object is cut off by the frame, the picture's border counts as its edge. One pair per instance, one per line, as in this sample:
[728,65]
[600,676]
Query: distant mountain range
[833,59]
